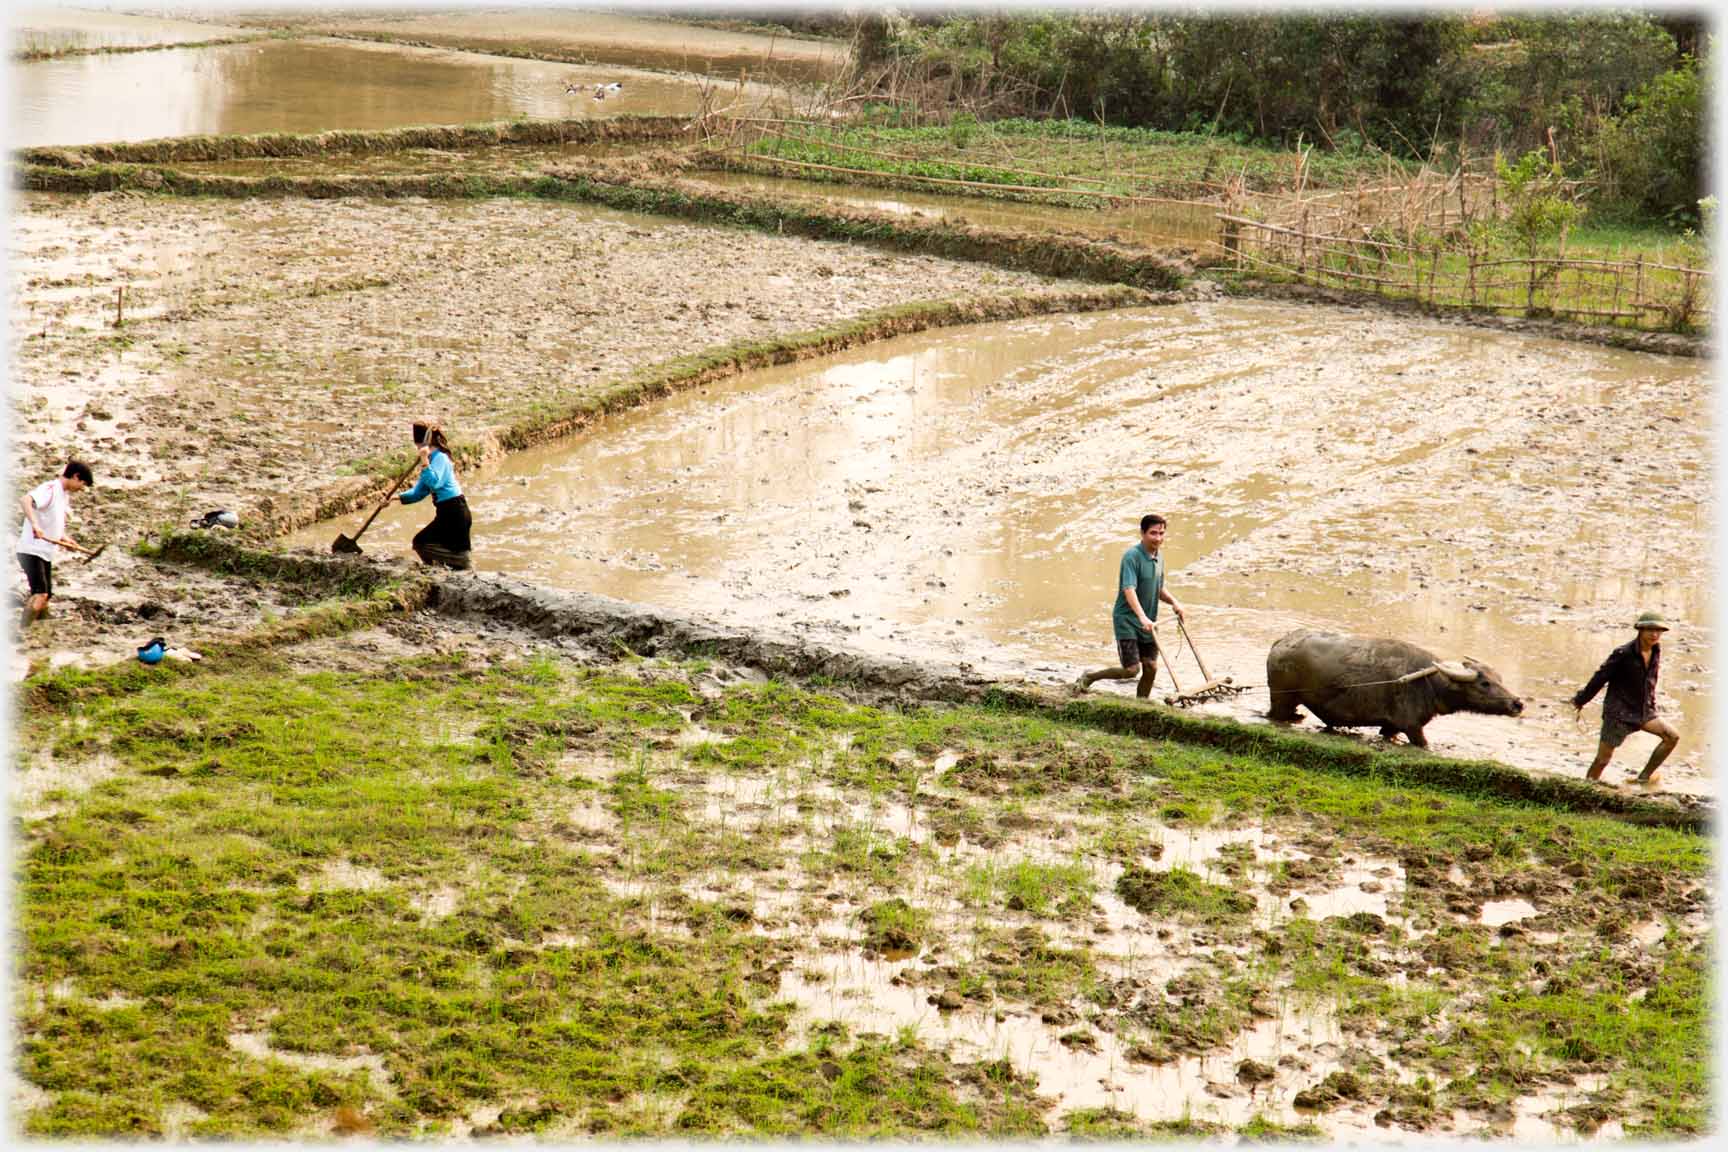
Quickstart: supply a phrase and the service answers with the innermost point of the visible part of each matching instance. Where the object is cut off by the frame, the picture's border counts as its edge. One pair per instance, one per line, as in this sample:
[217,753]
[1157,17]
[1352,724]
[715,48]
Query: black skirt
[446,540]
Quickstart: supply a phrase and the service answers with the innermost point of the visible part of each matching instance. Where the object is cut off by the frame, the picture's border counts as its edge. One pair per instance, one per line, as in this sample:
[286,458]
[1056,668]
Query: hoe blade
[345,545]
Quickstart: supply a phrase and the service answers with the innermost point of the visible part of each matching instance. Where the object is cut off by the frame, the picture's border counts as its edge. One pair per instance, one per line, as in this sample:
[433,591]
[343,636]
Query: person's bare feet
[1649,783]
[1080,687]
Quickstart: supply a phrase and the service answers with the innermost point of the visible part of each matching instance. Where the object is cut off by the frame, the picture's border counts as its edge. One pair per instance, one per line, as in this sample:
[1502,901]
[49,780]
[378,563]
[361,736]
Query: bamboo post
[1638,289]
[120,306]
[1433,270]
[1463,189]
[1303,259]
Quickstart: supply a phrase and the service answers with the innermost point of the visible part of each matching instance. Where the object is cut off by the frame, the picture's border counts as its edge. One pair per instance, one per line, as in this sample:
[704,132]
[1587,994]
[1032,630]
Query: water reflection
[311,86]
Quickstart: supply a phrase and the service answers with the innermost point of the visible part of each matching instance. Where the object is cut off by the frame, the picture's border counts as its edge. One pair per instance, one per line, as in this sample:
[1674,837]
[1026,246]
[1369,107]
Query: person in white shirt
[44,533]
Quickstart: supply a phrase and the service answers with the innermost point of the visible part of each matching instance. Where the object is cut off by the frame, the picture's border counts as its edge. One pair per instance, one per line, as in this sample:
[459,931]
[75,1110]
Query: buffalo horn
[1456,671]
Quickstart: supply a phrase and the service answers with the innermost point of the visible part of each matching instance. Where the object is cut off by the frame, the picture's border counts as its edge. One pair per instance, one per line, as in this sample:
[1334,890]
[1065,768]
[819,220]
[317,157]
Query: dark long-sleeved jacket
[1631,685]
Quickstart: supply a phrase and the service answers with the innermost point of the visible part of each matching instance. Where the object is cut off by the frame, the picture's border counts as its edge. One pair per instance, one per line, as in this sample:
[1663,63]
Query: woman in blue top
[444,541]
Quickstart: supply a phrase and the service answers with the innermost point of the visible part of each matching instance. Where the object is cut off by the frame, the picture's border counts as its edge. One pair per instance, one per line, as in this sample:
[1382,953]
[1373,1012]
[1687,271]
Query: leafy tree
[1655,150]
[1569,72]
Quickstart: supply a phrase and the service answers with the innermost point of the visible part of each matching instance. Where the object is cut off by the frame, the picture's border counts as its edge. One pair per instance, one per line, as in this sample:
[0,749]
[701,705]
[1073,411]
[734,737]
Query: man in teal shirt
[1139,588]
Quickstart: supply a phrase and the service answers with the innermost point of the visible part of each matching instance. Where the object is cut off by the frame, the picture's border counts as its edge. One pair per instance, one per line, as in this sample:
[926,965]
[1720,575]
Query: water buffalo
[1359,682]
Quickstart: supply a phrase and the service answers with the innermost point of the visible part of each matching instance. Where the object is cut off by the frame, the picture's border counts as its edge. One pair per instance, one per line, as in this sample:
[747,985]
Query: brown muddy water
[1155,224]
[312,86]
[970,492]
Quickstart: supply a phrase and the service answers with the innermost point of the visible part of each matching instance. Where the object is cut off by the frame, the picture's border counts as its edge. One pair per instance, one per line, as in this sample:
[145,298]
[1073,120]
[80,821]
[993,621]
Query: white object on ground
[183,654]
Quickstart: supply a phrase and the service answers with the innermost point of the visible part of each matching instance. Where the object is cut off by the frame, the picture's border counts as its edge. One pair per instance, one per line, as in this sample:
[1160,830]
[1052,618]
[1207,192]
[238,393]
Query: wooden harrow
[1215,688]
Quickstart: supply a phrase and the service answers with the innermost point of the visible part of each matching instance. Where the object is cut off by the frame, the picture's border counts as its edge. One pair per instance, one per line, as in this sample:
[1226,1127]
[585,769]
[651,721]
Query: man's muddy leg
[1604,753]
[1148,673]
[1117,673]
[34,609]
[1665,732]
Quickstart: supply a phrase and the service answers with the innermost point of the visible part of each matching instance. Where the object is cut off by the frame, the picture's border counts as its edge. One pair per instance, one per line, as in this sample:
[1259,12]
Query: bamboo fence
[1635,293]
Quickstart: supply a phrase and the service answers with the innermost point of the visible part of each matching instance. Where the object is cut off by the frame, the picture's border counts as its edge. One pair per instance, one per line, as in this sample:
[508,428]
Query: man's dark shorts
[1614,732]
[39,572]
[1132,652]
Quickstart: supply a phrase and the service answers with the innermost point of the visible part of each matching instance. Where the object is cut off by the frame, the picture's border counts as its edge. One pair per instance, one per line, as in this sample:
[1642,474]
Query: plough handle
[1168,665]
[1184,630]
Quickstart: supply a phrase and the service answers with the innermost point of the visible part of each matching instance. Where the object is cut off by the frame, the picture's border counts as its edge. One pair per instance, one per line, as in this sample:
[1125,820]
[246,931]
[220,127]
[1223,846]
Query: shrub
[1655,149]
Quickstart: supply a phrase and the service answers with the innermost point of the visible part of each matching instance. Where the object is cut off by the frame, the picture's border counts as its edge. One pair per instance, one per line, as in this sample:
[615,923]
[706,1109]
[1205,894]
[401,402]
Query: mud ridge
[129,177]
[46,691]
[694,371]
[653,632]
[606,624]
[275,145]
[730,65]
[313,575]
[37,55]
[1343,755]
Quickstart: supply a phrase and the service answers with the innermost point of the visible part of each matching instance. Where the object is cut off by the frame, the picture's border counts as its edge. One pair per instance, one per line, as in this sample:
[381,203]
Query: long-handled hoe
[350,545]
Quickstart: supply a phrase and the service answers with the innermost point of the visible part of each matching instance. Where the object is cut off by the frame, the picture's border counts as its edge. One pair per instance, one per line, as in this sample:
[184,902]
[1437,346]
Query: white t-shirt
[52,507]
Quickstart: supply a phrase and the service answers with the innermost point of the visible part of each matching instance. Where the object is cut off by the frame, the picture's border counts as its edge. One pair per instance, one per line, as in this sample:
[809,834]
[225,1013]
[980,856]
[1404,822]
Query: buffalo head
[1472,686]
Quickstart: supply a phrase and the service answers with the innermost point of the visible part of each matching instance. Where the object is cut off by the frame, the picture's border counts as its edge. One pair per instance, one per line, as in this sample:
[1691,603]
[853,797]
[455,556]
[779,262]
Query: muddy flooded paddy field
[674,897]
[319,84]
[969,493]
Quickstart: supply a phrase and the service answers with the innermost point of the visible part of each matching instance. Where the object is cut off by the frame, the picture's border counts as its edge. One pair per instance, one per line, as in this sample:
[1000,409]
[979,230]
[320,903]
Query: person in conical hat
[1630,674]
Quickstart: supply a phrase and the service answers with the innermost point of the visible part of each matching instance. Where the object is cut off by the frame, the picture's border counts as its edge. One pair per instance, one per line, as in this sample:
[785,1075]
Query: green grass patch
[376,876]
[1068,154]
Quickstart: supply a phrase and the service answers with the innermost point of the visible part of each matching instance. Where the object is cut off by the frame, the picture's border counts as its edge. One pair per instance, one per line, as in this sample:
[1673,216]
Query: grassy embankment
[375,901]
